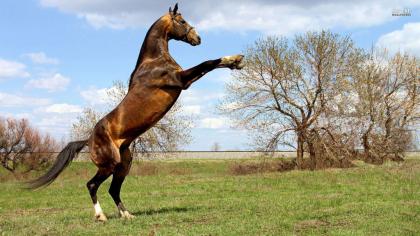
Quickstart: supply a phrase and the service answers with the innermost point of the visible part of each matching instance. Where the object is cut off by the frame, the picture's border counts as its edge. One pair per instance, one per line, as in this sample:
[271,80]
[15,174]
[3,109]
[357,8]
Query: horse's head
[180,29]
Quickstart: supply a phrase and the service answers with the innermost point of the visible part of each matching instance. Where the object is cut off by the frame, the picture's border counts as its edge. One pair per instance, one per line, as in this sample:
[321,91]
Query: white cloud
[56,124]
[214,123]
[12,100]
[99,21]
[196,96]
[57,118]
[23,115]
[10,69]
[268,16]
[51,83]
[192,109]
[96,96]
[406,40]
[41,58]
[60,108]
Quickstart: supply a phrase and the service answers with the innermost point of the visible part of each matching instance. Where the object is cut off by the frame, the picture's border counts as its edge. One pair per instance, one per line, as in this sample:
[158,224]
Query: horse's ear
[175,8]
[170,10]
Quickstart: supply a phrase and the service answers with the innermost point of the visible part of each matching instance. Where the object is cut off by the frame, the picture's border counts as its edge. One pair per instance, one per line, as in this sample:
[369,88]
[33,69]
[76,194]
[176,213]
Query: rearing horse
[155,85]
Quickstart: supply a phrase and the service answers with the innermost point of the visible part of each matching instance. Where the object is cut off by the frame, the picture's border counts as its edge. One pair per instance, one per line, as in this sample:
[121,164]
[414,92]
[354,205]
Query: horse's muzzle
[196,42]
[193,38]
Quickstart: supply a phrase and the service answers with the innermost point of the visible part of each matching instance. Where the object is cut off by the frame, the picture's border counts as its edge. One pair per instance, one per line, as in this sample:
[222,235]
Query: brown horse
[155,85]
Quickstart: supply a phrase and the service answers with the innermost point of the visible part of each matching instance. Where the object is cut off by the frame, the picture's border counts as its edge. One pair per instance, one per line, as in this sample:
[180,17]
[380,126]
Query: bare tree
[86,121]
[22,146]
[170,133]
[387,104]
[283,89]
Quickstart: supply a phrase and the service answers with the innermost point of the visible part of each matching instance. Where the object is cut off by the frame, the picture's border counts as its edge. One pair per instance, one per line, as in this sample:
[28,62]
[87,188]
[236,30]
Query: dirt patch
[310,224]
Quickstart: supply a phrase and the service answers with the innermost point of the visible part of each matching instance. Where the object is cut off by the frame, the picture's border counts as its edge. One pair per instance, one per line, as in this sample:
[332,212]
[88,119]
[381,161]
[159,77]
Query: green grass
[202,198]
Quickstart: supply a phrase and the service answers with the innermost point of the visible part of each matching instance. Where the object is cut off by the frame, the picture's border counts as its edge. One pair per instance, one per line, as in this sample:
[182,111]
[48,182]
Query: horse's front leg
[193,74]
[232,62]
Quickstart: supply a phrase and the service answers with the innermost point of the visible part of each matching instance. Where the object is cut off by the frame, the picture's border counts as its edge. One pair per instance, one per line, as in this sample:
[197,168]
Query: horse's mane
[142,49]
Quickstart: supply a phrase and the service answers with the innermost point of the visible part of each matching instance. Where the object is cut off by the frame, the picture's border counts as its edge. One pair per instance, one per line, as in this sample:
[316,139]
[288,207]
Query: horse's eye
[183,21]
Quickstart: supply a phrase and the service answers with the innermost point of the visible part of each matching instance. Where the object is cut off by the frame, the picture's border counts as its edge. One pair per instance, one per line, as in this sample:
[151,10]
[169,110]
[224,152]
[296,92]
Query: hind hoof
[126,215]
[101,217]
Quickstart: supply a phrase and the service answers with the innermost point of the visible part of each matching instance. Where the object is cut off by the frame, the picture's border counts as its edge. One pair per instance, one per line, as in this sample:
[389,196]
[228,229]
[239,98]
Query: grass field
[192,197]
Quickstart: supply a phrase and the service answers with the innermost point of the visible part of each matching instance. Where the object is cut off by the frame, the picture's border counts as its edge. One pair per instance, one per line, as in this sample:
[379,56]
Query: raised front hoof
[101,217]
[126,215]
[234,62]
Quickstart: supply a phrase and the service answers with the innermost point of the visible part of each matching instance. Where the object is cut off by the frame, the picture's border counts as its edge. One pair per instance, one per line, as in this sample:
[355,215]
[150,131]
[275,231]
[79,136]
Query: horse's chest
[161,103]
[144,111]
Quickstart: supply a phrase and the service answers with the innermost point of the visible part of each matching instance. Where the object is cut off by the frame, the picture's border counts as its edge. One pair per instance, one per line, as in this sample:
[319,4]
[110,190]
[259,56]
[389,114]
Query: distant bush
[24,148]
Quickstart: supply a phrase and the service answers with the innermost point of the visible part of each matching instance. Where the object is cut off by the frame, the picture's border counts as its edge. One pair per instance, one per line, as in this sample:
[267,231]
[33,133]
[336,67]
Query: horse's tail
[63,160]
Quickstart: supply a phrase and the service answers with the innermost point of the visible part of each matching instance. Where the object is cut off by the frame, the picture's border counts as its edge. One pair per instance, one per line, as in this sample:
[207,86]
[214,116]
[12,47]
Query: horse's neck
[155,44]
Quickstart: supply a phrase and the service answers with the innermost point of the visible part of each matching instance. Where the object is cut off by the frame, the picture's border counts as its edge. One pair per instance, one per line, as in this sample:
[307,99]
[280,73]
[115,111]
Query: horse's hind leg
[120,172]
[114,190]
[93,186]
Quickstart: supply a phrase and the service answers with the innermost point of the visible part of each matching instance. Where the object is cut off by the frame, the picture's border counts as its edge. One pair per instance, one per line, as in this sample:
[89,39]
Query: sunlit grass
[203,198]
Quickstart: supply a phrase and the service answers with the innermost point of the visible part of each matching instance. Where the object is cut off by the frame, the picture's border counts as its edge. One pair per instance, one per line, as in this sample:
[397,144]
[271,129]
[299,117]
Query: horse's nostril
[199,39]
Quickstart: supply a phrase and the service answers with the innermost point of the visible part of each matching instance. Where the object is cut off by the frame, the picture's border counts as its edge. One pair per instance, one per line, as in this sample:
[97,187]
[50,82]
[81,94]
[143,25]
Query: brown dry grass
[265,165]
[145,168]
[150,168]
[243,168]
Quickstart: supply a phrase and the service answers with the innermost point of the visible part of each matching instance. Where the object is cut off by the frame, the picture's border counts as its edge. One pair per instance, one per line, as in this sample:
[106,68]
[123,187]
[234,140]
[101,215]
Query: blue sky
[58,56]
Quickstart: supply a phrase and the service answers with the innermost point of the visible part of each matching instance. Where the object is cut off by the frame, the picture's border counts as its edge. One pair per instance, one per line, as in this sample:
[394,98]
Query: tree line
[24,148]
[324,96]
[318,93]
